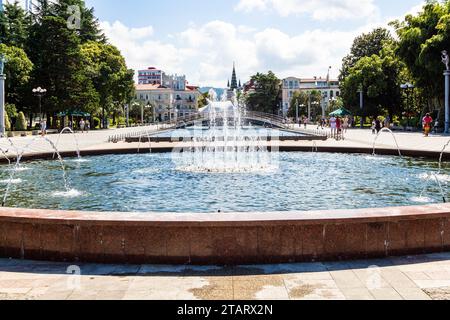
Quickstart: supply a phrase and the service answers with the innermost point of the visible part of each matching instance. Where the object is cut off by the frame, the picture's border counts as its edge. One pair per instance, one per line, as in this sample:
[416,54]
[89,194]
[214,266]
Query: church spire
[234,84]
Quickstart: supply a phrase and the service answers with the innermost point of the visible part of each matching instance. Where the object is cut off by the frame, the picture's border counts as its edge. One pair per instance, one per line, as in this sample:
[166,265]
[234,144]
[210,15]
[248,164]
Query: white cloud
[205,53]
[317,9]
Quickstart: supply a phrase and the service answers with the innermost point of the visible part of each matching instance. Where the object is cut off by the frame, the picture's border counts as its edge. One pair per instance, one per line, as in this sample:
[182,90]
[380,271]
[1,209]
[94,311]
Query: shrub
[21,122]
[96,123]
[7,123]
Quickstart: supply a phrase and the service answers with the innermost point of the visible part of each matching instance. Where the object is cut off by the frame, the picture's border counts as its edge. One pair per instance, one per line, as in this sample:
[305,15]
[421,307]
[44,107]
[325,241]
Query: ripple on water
[13,181]
[440,177]
[72,193]
[422,200]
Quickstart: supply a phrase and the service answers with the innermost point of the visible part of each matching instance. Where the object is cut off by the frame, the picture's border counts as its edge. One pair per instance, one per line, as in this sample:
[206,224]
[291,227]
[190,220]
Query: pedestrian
[338,127]
[373,126]
[377,125]
[427,121]
[305,122]
[43,127]
[88,125]
[387,122]
[345,124]
[333,126]
[82,125]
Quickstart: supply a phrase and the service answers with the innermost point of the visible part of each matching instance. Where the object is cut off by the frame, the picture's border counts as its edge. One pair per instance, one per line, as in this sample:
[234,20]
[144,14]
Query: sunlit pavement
[98,140]
[422,277]
[418,277]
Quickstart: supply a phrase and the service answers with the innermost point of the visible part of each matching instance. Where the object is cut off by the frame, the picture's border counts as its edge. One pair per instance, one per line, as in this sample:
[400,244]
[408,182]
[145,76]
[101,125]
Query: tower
[234,83]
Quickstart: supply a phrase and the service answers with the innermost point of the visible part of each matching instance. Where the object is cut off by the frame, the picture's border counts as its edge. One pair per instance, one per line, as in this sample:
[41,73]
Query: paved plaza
[98,140]
[423,277]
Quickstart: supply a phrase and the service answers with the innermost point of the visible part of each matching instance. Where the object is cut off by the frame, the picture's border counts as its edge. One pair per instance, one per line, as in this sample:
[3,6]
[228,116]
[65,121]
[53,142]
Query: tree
[421,39]
[107,70]
[14,25]
[265,98]
[88,25]
[18,70]
[365,45]
[380,77]
[21,123]
[7,123]
[299,99]
[56,54]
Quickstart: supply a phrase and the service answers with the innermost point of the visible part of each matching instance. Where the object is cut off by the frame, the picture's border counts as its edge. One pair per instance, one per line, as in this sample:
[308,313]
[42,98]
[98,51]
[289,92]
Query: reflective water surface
[152,182]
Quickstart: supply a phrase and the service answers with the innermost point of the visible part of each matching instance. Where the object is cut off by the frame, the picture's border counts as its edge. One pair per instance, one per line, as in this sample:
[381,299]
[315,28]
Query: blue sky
[202,38]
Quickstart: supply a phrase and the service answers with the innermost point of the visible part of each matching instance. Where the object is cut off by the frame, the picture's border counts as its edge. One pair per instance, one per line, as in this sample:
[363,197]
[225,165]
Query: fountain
[227,146]
[393,135]
[74,137]
[19,158]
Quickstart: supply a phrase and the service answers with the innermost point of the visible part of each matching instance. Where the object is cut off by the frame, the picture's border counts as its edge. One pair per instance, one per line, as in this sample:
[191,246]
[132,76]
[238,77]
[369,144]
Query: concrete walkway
[412,278]
[97,140]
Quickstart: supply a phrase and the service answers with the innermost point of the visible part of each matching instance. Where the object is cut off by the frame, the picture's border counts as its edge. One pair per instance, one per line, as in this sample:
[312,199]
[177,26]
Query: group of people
[378,125]
[82,125]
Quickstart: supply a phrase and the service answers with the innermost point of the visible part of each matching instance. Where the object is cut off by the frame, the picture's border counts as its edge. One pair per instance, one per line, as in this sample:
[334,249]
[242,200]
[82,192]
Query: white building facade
[168,103]
[329,88]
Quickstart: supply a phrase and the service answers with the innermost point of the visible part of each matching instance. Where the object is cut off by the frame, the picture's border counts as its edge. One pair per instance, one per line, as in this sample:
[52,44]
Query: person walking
[88,125]
[333,126]
[427,121]
[82,125]
[305,122]
[387,122]
[338,128]
[43,127]
[373,126]
[345,124]
[377,125]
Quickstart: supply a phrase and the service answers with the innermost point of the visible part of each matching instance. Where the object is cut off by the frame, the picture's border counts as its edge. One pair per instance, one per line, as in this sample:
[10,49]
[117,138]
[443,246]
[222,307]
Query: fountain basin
[233,238]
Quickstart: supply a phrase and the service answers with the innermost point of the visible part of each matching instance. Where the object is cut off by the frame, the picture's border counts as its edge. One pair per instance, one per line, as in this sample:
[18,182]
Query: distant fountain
[227,146]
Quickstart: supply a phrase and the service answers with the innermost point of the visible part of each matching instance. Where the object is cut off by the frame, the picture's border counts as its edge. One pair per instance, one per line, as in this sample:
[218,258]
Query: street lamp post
[39,92]
[408,87]
[361,105]
[297,115]
[2,96]
[445,60]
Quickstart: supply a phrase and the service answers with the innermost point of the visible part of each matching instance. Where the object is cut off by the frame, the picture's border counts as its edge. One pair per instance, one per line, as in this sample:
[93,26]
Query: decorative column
[2,93]
[2,105]
[447,103]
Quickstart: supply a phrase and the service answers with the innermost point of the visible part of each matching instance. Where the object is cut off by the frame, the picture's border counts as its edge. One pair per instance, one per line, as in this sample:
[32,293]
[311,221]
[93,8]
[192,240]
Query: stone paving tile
[438,293]
[283,282]
[432,284]
[357,293]
[417,275]
[347,279]
[309,276]
[397,279]
[437,275]
[412,294]
[385,294]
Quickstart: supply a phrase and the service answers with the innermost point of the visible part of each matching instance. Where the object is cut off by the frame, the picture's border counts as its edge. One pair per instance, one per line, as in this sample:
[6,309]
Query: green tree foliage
[54,40]
[380,77]
[365,45]
[21,122]
[17,70]
[14,25]
[422,37]
[7,123]
[106,68]
[300,99]
[265,98]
